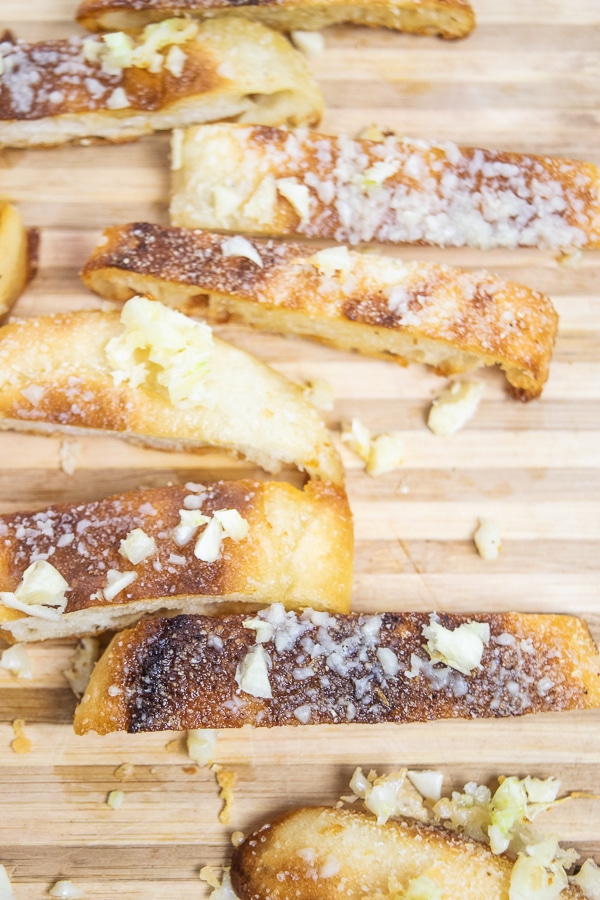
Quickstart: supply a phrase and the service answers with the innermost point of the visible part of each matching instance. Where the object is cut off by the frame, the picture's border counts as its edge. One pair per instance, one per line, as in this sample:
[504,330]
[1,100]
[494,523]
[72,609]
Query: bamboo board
[527,79]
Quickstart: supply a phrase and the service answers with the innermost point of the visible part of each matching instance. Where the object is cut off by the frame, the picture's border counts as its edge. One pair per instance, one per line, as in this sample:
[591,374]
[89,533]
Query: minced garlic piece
[379,172]
[382,453]
[66,890]
[297,195]
[386,454]
[6,891]
[264,630]
[41,592]
[358,437]
[16,661]
[428,782]
[208,545]
[241,246]
[115,799]
[331,260]
[69,453]
[461,649]
[252,674]
[137,546]
[453,408]
[201,745]
[190,522]
[177,349]
[116,582]
[530,880]
[422,888]
[311,43]
[233,524]
[372,133]
[117,50]
[388,795]
[588,879]
[488,540]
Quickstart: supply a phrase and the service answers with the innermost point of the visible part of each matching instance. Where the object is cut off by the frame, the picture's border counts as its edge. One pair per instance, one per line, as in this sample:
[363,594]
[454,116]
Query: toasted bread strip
[272,181]
[298,550]
[18,255]
[447,18]
[56,376]
[414,312]
[328,853]
[63,90]
[195,672]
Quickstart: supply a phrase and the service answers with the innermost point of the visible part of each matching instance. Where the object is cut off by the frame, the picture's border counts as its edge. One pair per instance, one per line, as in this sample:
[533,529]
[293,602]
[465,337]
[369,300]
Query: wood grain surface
[527,79]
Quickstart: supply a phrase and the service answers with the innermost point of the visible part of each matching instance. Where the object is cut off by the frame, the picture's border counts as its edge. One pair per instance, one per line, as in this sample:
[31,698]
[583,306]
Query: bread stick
[313,668]
[410,312]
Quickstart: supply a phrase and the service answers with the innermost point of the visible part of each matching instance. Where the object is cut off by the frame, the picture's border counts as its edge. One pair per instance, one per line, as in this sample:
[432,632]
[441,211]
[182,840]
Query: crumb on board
[21,743]
[69,454]
[226,780]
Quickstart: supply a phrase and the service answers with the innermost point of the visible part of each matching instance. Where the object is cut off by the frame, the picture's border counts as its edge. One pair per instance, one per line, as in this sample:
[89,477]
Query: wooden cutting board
[527,79]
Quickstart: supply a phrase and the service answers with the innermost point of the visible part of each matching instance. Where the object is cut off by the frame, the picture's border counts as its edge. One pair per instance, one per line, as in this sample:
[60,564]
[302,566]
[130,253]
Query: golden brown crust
[53,91]
[392,191]
[55,377]
[321,854]
[326,669]
[451,319]
[18,256]
[298,551]
[447,18]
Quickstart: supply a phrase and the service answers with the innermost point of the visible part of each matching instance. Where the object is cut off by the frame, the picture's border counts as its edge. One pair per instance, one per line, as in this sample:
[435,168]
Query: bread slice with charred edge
[298,549]
[328,853]
[18,256]
[412,312]
[55,376]
[229,68]
[313,668]
[270,181]
[447,18]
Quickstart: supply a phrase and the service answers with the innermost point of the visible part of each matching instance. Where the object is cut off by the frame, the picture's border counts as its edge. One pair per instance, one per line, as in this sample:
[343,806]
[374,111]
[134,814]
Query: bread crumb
[15,660]
[381,453]
[124,771]
[21,743]
[69,454]
[319,392]
[81,665]
[226,781]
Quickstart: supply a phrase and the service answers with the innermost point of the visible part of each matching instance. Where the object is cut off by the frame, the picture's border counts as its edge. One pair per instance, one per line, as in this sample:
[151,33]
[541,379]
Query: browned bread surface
[321,854]
[180,673]
[53,92]
[413,312]
[298,551]
[392,191]
[55,377]
[18,256]
[448,18]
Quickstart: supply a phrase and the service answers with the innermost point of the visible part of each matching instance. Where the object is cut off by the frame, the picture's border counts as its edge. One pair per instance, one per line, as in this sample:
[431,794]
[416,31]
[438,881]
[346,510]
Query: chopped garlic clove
[488,540]
[454,407]
[115,799]
[331,260]
[252,674]
[358,438]
[233,524]
[379,172]
[42,584]
[588,879]
[241,246]
[208,545]
[116,582]
[461,649]
[201,745]
[386,454]
[529,880]
[297,195]
[311,43]
[16,661]
[428,782]
[6,891]
[190,522]
[66,890]
[422,888]
[137,546]
[264,630]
